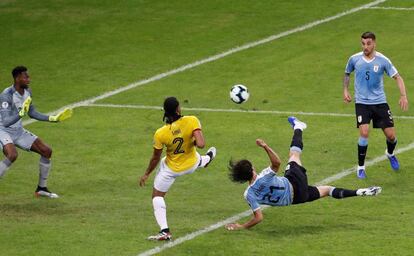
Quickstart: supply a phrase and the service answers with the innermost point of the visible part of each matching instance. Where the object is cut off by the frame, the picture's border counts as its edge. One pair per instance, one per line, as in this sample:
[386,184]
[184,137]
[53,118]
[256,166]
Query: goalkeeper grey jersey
[11,102]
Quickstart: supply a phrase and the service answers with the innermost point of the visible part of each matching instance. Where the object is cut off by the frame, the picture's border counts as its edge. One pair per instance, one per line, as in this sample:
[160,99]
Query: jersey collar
[371,60]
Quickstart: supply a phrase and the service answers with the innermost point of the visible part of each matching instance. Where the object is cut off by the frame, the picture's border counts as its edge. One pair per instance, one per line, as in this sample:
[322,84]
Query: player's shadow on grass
[33,209]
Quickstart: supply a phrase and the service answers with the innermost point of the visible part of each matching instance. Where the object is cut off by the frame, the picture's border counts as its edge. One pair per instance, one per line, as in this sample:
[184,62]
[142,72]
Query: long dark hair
[170,110]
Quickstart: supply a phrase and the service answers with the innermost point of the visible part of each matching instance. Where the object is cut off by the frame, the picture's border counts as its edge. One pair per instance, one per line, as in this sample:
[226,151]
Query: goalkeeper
[16,102]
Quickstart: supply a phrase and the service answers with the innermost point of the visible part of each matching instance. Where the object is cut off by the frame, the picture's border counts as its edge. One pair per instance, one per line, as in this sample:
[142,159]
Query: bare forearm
[252,222]
[274,158]
[401,86]
[152,164]
[346,82]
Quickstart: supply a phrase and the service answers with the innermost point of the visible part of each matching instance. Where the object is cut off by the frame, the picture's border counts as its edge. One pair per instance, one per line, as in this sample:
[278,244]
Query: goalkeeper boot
[162,236]
[371,191]
[393,161]
[296,123]
[44,192]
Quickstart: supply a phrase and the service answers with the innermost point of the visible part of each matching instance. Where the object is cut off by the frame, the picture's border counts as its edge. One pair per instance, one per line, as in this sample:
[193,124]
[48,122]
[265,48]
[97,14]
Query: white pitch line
[231,110]
[367,163]
[212,58]
[237,217]
[392,8]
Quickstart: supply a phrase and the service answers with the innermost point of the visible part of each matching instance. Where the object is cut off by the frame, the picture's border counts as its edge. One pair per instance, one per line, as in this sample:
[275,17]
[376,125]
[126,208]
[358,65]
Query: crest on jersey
[376,68]
[5,104]
[176,132]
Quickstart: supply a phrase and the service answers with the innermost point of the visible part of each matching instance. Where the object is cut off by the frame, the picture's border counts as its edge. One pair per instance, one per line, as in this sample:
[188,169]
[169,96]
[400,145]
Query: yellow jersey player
[180,135]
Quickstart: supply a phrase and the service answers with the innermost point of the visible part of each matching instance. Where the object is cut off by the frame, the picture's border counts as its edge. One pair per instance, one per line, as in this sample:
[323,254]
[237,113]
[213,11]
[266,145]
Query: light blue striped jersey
[369,84]
[270,189]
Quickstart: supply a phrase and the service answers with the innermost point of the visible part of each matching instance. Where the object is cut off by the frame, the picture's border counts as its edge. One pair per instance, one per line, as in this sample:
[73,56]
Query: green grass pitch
[76,50]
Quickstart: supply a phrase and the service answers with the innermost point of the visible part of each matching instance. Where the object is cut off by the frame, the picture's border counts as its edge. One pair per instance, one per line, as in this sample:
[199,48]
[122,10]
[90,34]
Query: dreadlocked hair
[240,171]
[170,110]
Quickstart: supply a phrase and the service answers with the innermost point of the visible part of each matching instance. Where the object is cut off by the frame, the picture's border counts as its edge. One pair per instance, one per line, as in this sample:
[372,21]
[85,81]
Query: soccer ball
[239,93]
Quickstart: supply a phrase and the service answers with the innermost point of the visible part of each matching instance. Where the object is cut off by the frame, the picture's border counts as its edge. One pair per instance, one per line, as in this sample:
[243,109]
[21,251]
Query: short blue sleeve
[350,66]
[254,205]
[389,68]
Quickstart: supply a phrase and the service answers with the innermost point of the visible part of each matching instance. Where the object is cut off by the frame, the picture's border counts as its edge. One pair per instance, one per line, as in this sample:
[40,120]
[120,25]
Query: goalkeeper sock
[160,212]
[44,169]
[4,166]
[340,193]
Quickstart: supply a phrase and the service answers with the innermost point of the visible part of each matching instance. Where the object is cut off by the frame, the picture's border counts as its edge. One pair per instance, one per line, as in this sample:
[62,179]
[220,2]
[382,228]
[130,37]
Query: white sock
[160,211]
[44,169]
[4,166]
[331,190]
[204,160]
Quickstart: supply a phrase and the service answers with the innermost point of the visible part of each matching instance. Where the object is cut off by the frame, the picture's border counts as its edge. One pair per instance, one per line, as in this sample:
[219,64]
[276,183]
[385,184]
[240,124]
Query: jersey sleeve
[266,171]
[195,123]
[33,113]
[157,144]
[350,66]
[390,70]
[254,205]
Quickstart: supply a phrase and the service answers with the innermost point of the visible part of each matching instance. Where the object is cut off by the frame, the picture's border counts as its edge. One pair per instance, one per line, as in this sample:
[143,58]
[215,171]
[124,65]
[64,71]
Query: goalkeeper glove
[25,106]
[61,116]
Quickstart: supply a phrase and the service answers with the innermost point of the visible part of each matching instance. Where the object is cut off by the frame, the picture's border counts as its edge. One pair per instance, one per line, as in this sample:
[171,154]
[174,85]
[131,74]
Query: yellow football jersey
[179,141]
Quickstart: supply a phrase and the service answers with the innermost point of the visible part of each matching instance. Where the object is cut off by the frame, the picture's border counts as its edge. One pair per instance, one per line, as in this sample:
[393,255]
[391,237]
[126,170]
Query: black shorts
[303,193]
[380,114]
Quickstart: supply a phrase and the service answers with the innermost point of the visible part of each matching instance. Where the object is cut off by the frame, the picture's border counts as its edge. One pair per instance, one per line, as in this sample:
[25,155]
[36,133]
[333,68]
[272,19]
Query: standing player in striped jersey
[269,189]
[16,102]
[370,101]
[180,135]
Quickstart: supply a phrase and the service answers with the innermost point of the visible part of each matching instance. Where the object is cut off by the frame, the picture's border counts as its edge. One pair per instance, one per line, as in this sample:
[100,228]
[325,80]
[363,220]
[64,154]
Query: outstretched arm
[37,115]
[155,159]
[403,94]
[257,218]
[274,158]
[347,96]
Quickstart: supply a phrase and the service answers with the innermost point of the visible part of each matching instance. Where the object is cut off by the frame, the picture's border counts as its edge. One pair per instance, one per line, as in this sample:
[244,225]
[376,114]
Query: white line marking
[367,163]
[212,58]
[392,8]
[231,110]
[249,212]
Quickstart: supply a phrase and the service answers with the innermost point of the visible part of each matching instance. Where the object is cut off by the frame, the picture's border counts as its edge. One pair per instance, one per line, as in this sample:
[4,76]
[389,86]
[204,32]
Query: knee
[391,137]
[12,156]
[47,152]
[294,156]
[364,133]
[324,190]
